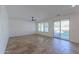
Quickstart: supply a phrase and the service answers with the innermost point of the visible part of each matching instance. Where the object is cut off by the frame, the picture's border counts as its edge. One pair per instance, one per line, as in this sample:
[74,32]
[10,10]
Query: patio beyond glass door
[61,29]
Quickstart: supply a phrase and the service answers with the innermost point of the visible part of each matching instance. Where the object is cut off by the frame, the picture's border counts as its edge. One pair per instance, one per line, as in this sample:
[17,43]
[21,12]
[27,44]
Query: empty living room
[39,29]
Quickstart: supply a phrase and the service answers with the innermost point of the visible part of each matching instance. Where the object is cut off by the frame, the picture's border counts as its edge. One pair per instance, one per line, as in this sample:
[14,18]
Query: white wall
[3,29]
[74,28]
[19,27]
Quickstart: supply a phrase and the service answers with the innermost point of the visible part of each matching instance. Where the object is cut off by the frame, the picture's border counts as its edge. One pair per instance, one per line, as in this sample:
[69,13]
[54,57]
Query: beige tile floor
[37,44]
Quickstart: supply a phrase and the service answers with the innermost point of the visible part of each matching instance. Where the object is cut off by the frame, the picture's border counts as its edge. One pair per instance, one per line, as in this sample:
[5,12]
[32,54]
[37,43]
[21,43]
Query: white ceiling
[41,12]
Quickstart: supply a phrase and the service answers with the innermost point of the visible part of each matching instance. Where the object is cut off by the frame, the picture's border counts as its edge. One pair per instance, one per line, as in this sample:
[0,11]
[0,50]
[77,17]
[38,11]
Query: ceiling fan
[33,19]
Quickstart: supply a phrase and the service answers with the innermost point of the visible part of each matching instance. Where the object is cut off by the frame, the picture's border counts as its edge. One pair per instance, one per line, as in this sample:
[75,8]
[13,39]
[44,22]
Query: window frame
[42,27]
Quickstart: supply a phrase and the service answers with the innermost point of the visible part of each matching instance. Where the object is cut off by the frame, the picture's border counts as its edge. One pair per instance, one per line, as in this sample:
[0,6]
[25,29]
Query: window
[39,25]
[43,27]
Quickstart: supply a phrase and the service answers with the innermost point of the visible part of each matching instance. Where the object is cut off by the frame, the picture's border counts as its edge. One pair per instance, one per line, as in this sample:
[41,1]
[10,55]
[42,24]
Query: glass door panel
[65,29]
[57,29]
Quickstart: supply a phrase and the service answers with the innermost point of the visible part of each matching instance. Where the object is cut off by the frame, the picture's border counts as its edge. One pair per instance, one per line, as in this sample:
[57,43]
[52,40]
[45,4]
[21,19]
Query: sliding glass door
[57,29]
[61,29]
